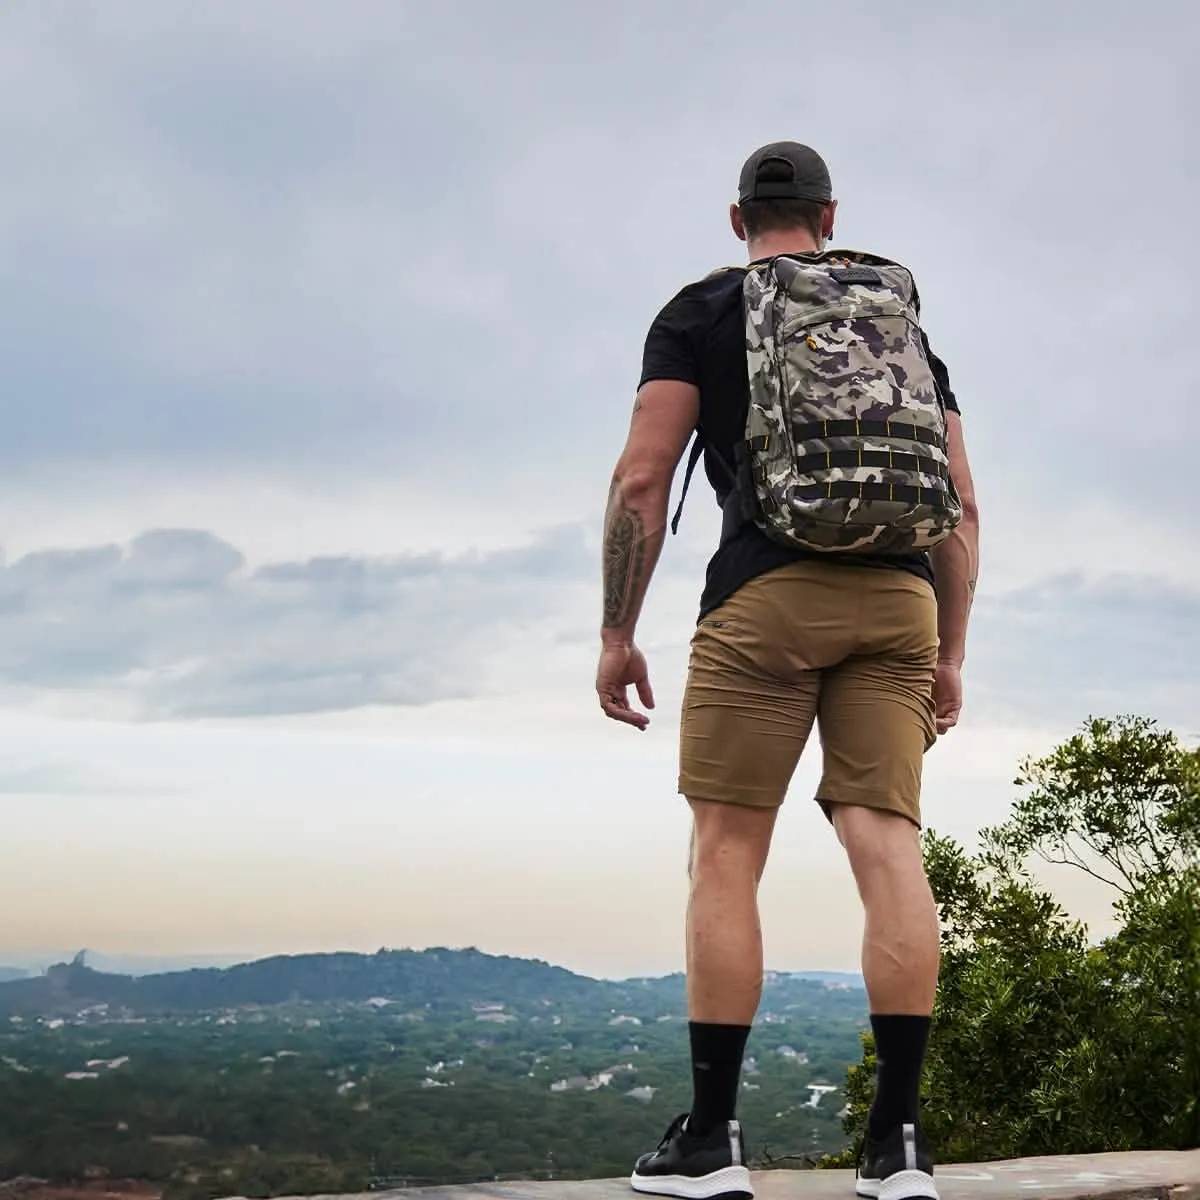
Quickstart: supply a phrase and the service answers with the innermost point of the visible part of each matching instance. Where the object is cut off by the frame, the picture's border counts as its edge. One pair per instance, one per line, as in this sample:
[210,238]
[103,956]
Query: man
[870,648]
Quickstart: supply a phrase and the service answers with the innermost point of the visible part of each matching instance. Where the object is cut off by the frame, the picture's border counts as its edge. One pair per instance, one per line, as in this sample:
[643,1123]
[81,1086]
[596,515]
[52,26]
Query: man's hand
[947,695]
[622,665]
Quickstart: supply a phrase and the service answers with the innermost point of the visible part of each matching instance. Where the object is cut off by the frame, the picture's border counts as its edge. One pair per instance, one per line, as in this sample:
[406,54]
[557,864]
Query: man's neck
[791,242]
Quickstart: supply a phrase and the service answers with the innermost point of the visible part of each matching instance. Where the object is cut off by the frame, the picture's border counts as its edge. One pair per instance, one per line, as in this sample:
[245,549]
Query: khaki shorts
[853,648]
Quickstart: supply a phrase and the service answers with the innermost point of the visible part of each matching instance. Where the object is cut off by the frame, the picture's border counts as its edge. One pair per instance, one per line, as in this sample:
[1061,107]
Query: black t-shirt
[699,338]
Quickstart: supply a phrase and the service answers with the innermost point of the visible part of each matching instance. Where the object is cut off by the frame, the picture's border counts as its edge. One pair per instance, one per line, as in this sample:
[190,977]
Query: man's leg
[899,955]
[724,950]
[748,709]
[877,722]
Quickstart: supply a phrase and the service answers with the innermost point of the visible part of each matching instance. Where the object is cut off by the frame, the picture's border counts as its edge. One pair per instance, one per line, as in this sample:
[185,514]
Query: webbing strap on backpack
[693,459]
[698,441]
[698,448]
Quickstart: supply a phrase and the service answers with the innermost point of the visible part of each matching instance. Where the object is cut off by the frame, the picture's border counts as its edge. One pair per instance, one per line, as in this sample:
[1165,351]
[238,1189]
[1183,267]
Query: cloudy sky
[321,328]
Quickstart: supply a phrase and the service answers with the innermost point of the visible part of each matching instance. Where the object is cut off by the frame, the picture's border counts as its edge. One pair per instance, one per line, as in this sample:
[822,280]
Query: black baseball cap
[809,176]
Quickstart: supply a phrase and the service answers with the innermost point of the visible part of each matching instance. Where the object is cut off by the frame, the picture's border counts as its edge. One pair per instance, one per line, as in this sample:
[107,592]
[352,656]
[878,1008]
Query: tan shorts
[854,648]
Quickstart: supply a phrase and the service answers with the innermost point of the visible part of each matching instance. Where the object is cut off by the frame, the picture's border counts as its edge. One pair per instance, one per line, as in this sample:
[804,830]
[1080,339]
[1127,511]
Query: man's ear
[735,221]
[827,220]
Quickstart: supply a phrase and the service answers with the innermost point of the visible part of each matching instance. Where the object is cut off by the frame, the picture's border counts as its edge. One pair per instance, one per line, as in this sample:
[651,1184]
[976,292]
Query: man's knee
[876,838]
[729,837]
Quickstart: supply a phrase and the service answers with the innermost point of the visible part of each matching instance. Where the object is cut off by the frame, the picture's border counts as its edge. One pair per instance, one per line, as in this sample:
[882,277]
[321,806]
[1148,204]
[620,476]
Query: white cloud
[177,624]
[1071,647]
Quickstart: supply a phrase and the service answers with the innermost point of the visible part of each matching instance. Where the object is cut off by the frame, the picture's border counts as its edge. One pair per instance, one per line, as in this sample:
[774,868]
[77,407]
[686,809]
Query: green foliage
[1042,1042]
[1120,800]
[860,1090]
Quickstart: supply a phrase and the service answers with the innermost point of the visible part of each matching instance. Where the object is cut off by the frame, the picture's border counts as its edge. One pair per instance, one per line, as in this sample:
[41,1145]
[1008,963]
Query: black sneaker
[696,1168]
[899,1167]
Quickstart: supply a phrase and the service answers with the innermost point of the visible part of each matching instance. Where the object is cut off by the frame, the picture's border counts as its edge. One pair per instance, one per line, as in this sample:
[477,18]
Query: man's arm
[664,415]
[956,560]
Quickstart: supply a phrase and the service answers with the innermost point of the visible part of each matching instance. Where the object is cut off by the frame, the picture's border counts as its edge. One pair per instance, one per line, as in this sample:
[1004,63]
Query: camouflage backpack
[845,442]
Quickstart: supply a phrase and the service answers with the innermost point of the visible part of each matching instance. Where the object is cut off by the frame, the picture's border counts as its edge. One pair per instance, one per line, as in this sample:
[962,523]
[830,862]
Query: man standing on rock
[839,594]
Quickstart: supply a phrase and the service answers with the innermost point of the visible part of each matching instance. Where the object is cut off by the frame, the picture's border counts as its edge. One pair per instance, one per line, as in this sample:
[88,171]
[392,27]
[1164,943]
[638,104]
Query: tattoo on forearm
[624,560]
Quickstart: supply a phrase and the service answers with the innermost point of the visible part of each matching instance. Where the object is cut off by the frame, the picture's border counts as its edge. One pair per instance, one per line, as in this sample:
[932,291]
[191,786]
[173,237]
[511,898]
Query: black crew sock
[900,1043]
[716,1072]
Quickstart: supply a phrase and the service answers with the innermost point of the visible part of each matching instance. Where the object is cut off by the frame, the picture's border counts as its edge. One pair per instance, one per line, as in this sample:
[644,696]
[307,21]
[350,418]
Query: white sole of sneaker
[908,1185]
[728,1181]
[868,1189]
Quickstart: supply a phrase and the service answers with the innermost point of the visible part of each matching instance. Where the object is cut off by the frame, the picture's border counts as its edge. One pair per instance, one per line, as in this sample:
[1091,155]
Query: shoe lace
[675,1128]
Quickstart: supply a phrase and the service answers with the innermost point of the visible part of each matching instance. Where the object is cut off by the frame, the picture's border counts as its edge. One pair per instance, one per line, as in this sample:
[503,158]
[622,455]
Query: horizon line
[39,961]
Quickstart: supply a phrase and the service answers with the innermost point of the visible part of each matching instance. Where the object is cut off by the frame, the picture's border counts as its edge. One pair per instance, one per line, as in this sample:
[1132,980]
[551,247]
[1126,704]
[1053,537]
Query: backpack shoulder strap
[693,459]
[698,448]
[698,440]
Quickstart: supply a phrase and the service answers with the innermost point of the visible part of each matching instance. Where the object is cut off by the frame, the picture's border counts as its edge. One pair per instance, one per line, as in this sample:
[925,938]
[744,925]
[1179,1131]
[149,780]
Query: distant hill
[10,973]
[849,978]
[121,964]
[437,980]
[429,978]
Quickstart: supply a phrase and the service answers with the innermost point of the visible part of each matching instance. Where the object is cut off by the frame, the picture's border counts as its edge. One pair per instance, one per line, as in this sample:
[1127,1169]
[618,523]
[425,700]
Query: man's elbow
[970,511]
[643,480]
[964,489]
[965,533]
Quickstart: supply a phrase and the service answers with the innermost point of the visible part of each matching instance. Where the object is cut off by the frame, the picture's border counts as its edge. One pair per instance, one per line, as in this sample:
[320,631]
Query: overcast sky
[321,329]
